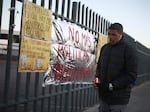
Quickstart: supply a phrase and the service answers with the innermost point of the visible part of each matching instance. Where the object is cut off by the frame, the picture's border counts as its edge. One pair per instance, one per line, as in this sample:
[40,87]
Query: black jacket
[117,65]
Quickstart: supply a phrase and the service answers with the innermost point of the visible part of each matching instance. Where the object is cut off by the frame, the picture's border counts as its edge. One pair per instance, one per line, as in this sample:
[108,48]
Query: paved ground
[139,102]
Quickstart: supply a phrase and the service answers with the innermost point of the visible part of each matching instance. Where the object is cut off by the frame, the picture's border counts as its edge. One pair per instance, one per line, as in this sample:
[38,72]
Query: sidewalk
[139,102]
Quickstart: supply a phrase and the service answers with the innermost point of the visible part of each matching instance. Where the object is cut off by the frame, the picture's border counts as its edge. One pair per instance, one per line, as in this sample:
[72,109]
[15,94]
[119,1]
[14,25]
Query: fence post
[68,10]
[74,11]
[1,6]
[9,51]
[68,90]
[79,11]
[63,9]
[86,16]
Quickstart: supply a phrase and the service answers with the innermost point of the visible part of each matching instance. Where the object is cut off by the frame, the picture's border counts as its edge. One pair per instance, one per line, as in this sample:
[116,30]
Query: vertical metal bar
[80,98]
[99,25]
[66,102]
[91,98]
[102,25]
[84,96]
[9,51]
[56,9]
[62,9]
[42,100]
[34,1]
[17,89]
[79,5]
[72,97]
[82,22]
[110,23]
[94,96]
[27,91]
[55,98]
[77,99]
[61,98]
[93,21]
[42,3]
[86,16]
[49,99]
[18,74]
[35,85]
[106,26]
[50,4]
[104,31]
[96,19]
[36,91]
[97,96]
[1,6]
[68,9]
[87,95]
[90,18]
[74,11]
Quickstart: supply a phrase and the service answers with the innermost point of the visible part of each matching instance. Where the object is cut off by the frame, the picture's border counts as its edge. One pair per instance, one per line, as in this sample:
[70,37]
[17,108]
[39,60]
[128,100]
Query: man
[116,71]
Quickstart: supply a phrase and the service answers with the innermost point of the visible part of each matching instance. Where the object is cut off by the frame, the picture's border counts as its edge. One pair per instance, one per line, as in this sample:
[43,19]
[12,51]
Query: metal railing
[23,91]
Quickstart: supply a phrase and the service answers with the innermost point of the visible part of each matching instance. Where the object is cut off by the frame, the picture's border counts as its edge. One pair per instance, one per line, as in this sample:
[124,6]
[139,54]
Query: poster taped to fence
[35,39]
[72,54]
[37,21]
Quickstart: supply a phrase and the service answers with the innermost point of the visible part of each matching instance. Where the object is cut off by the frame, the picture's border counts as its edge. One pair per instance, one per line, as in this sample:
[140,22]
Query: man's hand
[106,86]
[96,82]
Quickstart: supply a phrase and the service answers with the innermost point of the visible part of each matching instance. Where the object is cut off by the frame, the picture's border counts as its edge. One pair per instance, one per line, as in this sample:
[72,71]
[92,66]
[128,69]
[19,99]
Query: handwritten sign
[35,39]
[37,21]
[34,55]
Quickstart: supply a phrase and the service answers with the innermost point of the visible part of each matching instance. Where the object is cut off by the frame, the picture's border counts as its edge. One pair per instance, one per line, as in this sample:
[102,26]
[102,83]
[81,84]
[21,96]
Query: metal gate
[23,91]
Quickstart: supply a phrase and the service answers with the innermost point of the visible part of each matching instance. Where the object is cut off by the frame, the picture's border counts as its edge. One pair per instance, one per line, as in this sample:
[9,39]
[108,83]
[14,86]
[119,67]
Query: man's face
[114,36]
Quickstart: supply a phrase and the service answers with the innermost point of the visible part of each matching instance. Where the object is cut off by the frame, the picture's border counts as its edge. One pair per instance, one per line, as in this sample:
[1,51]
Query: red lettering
[89,42]
[76,39]
[74,36]
[60,50]
[83,39]
[67,53]
[71,33]
[86,40]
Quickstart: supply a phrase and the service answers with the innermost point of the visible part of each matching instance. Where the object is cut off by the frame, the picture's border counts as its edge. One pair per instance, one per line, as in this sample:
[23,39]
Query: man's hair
[116,26]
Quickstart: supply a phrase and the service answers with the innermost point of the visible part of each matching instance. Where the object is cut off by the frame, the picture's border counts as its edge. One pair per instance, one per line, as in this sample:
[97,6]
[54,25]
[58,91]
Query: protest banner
[72,54]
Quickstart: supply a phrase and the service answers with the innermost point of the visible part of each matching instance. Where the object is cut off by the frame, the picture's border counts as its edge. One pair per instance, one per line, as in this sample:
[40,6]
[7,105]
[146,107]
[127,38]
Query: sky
[134,15]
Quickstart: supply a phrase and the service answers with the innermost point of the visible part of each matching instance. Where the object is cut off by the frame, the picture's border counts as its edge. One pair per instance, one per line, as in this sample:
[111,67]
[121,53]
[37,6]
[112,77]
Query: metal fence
[23,91]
